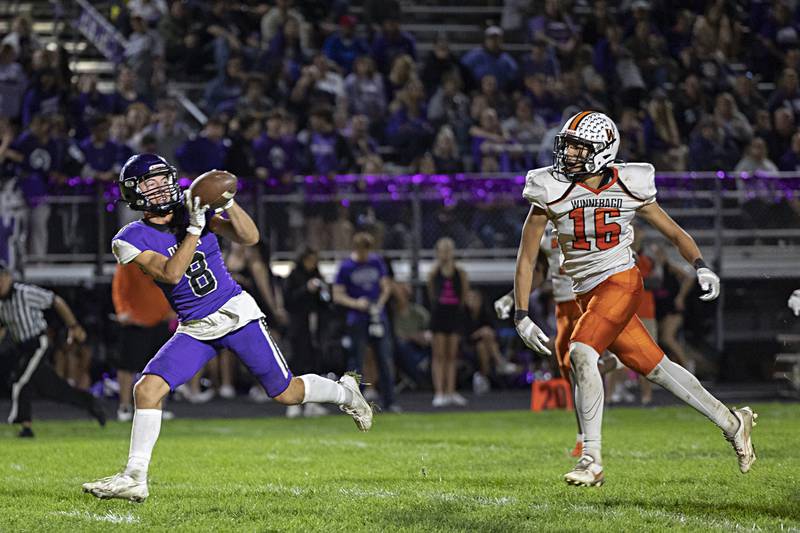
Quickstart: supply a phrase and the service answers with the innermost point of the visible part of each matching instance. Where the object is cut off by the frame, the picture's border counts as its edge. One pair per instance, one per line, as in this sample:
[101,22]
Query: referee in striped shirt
[22,316]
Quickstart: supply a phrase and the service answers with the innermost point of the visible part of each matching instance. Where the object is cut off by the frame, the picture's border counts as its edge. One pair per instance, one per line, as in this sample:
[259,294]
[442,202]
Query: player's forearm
[523,275]
[686,246]
[243,226]
[64,312]
[177,265]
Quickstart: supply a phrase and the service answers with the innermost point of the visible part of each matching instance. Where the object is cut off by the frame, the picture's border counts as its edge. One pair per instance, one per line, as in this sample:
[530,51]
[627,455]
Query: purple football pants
[183,356]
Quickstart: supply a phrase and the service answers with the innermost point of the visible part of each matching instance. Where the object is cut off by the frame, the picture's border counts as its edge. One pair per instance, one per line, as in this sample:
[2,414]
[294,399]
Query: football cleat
[359,408]
[741,441]
[120,486]
[587,473]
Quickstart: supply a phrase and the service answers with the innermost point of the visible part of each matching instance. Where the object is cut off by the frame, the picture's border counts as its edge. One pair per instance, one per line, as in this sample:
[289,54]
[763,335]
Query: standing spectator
[23,39]
[275,154]
[274,19]
[12,82]
[102,157]
[143,314]
[22,309]
[240,157]
[490,59]
[327,152]
[87,104]
[44,96]
[408,130]
[555,27]
[392,42]
[447,291]
[363,287]
[205,151]
[144,55]
[412,334]
[756,159]
[319,84]
[168,131]
[438,64]
[366,94]
[307,298]
[344,46]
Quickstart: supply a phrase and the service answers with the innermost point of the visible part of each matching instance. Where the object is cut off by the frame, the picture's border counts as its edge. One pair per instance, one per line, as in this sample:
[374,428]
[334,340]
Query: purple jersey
[361,280]
[204,288]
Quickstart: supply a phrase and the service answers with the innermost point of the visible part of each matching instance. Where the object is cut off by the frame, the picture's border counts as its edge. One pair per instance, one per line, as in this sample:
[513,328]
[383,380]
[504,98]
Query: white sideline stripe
[16,388]
[276,353]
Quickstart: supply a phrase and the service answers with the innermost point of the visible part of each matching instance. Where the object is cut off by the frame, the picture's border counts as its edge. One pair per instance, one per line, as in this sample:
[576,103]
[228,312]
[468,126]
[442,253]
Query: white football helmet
[596,138]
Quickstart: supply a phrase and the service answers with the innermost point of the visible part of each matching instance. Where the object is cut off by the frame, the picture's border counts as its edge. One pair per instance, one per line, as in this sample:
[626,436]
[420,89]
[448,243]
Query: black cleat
[25,433]
[98,412]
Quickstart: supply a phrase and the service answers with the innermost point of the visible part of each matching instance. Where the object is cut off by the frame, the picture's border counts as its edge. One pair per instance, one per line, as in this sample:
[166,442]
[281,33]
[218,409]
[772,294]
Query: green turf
[665,468]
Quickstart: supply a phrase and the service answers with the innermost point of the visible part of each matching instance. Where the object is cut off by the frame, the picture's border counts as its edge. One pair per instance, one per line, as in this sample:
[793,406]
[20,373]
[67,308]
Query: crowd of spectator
[308,87]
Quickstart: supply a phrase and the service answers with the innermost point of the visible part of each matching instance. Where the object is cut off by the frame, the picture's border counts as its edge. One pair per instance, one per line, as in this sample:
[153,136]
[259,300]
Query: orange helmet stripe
[577,120]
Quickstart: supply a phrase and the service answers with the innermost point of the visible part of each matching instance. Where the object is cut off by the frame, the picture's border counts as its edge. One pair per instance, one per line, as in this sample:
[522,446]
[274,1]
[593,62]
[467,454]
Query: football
[214,188]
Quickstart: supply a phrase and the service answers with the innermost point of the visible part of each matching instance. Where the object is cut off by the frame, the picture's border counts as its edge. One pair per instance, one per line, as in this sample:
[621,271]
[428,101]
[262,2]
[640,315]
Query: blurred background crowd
[274,90]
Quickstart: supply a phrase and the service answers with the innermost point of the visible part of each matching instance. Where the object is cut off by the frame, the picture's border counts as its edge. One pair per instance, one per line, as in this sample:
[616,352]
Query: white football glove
[225,207]
[709,282]
[197,214]
[533,336]
[794,302]
[503,305]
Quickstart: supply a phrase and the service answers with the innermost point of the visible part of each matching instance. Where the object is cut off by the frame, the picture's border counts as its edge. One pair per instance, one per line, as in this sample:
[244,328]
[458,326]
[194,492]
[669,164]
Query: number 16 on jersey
[595,225]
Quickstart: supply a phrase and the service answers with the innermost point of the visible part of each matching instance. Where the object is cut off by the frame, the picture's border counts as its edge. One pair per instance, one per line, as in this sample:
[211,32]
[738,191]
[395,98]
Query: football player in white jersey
[592,201]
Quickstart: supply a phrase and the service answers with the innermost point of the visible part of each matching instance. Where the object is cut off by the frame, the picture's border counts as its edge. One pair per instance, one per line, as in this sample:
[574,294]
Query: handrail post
[416,240]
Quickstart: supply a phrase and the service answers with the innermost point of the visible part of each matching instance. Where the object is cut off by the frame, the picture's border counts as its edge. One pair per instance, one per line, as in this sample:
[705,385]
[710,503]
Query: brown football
[214,188]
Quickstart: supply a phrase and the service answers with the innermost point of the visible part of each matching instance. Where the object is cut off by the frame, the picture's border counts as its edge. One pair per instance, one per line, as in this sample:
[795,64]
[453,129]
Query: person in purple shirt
[363,287]
[176,244]
[327,151]
[274,153]
[490,59]
[101,156]
[392,42]
[205,151]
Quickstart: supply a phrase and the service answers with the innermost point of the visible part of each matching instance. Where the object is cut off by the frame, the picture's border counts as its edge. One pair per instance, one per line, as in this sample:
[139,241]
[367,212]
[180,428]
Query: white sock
[144,434]
[685,386]
[579,438]
[324,390]
[588,396]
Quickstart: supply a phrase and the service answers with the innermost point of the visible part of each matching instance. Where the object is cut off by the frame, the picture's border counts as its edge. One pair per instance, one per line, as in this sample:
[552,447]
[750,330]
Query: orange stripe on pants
[609,321]
[567,315]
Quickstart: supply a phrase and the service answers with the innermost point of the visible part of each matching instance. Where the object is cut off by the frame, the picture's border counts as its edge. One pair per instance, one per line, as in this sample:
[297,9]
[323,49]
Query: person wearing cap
[489,58]
[343,46]
[22,309]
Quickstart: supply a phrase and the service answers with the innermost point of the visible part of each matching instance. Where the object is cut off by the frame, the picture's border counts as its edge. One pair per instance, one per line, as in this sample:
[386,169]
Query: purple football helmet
[141,167]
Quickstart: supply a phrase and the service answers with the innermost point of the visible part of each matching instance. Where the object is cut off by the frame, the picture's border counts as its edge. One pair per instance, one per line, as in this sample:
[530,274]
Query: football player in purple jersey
[176,244]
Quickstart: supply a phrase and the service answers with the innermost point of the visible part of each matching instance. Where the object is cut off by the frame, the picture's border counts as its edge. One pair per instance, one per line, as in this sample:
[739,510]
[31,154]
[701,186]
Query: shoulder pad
[541,187]
[638,180]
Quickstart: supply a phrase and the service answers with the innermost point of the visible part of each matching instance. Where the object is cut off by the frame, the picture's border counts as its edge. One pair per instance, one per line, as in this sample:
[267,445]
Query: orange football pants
[567,315]
[609,322]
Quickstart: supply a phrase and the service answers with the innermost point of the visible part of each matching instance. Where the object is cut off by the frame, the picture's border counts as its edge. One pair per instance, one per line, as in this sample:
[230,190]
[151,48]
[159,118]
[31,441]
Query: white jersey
[594,226]
[562,284]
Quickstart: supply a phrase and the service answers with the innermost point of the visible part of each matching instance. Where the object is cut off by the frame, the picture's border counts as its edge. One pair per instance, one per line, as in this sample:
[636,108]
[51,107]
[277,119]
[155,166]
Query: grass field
[666,468]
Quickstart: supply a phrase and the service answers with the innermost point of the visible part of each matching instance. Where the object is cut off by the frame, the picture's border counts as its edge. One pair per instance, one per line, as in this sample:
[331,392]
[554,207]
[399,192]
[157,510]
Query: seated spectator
[540,60]
[631,83]
[525,129]
[735,124]
[285,51]
[408,130]
[784,128]
[318,85]
[452,107]
[633,146]
[412,334]
[125,93]
[403,71]
[439,63]
[445,156]
[488,140]
[755,159]
[327,152]
[480,336]
[102,157]
[554,27]
[661,133]
[13,82]
[366,94]
[205,151]
[227,86]
[747,97]
[175,29]
[168,131]
[787,94]
[150,11]
[88,103]
[275,19]
[44,96]
[690,105]
[709,148]
[542,100]
[593,28]
[606,53]
[545,157]
[253,102]
[363,147]
[344,46]
[494,98]
[23,39]
[790,162]
[275,153]
[490,59]
[138,119]
[392,42]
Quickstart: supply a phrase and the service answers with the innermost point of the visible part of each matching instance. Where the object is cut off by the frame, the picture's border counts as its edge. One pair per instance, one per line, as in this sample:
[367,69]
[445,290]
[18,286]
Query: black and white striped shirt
[21,312]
